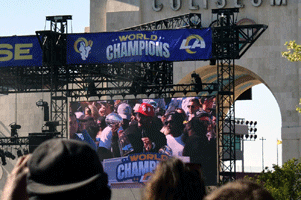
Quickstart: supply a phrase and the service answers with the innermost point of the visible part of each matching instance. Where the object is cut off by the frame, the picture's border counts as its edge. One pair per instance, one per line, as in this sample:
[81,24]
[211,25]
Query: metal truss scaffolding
[136,80]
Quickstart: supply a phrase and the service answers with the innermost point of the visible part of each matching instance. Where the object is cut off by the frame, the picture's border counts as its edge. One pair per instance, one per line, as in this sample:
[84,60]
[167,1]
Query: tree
[282,182]
[294,51]
[294,55]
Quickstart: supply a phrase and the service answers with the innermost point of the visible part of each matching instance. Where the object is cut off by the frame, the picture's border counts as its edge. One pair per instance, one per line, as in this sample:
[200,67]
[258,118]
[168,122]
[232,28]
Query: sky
[24,17]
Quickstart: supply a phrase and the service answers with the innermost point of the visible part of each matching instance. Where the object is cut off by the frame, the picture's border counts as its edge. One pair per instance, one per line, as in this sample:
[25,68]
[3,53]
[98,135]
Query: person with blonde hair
[173,179]
[240,189]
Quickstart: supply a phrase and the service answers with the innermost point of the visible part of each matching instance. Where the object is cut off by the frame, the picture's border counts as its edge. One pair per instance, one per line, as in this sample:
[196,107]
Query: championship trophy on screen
[114,121]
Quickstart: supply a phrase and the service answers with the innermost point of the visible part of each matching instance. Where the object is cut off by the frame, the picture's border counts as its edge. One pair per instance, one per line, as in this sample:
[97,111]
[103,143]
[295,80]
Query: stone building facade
[262,63]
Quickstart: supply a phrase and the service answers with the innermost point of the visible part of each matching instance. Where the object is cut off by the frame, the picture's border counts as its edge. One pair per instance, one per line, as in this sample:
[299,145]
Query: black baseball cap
[61,165]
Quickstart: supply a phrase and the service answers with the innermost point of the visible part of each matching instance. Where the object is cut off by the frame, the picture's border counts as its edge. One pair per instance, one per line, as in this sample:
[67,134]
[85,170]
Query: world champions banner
[135,168]
[139,46]
[20,51]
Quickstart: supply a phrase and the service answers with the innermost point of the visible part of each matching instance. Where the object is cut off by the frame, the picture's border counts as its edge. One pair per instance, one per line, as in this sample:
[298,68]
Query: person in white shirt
[175,127]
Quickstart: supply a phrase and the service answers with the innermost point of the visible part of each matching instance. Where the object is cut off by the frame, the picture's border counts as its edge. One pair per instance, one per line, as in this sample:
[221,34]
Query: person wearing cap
[58,168]
[134,112]
[124,110]
[145,135]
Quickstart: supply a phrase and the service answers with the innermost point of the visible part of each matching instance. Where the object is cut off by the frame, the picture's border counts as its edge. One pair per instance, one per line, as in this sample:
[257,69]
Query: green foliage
[294,51]
[284,183]
[298,108]
[293,54]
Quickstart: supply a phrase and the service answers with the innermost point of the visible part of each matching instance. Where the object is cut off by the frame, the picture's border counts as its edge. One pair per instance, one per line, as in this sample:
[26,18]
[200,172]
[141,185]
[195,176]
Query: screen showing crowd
[175,127]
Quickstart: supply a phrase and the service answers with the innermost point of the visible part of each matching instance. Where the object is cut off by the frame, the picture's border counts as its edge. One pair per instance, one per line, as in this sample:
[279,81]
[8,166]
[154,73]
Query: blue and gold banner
[136,168]
[20,51]
[139,46]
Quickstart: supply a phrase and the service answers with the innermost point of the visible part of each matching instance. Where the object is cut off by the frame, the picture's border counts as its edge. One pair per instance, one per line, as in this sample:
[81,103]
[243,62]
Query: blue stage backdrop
[139,46]
[110,47]
[20,51]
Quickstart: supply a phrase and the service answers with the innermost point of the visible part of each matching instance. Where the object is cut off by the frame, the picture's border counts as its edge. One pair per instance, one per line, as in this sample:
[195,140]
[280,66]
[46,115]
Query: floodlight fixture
[45,106]
[41,103]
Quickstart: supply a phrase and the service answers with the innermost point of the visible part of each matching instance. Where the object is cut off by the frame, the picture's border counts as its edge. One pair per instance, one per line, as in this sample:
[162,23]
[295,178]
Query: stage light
[251,129]
[251,122]
[41,103]
[242,122]
[247,122]
[251,136]
[247,136]
[14,128]
[255,136]
[45,106]
[2,155]
[255,130]
[25,151]
[255,123]
[10,155]
[19,153]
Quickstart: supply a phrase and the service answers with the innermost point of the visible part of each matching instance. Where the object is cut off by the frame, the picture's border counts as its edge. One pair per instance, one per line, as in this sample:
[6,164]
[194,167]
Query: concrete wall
[20,109]
[263,58]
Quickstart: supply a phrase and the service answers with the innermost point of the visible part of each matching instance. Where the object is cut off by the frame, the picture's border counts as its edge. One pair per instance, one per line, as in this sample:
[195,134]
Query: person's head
[240,189]
[194,127]
[94,111]
[102,109]
[174,124]
[182,112]
[88,111]
[193,106]
[124,110]
[134,111]
[175,180]
[109,107]
[62,168]
[208,104]
[73,125]
[85,122]
[145,114]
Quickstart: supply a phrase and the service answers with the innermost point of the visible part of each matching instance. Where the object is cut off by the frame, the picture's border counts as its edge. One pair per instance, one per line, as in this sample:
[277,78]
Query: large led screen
[132,136]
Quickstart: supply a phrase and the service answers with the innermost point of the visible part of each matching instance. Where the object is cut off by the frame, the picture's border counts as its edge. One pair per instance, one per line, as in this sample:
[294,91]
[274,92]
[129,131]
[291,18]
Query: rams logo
[83,47]
[192,42]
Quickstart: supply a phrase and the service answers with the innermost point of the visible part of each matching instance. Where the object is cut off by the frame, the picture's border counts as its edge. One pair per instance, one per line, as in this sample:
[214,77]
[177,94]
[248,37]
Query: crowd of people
[166,124]
[71,169]
[178,127]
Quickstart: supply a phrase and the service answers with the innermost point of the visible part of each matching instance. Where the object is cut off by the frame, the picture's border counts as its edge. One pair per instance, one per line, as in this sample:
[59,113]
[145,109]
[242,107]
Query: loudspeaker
[35,139]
